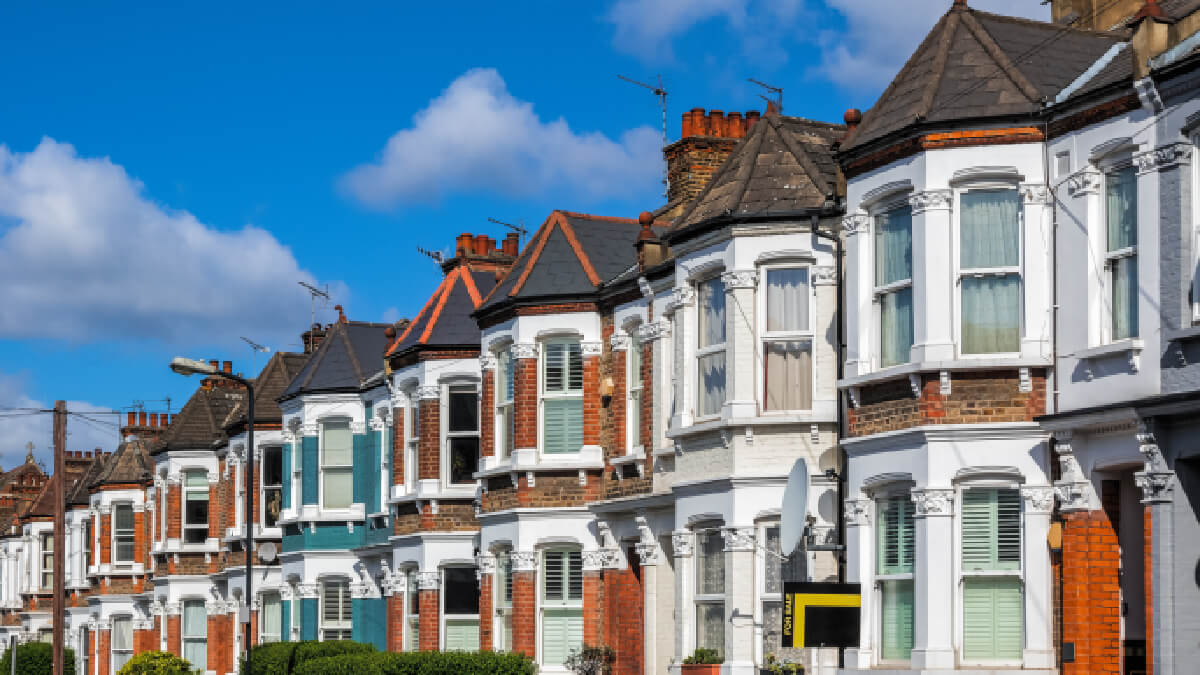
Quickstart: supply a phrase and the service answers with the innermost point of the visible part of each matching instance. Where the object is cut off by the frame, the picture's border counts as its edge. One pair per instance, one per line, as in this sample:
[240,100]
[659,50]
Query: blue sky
[167,173]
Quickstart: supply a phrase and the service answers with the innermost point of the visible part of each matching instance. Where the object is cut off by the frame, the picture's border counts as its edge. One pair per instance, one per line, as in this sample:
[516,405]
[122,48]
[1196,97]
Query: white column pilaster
[740,366]
[933,579]
[859,555]
[683,318]
[933,296]
[740,584]
[1039,614]
[683,542]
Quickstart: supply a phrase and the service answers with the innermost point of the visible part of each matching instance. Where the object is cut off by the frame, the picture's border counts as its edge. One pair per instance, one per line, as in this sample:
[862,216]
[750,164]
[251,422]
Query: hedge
[37,658]
[420,663]
[157,663]
[282,658]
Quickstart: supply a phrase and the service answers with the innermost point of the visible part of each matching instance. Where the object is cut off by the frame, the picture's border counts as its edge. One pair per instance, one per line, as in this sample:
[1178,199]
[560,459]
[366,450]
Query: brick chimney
[1094,14]
[313,337]
[146,426]
[482,253]
[706,141]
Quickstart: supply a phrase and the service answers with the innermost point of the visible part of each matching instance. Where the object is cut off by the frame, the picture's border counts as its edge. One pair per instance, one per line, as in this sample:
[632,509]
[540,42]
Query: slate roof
[977,65]
[351,352]
[43,505]
[571,254]
[80,495]
[445,320]
[784,165]
[268,387]
[200,422]
[130,463]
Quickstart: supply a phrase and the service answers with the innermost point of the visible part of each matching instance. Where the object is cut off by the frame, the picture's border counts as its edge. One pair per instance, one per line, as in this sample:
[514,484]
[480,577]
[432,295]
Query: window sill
[1130,349]
[1182,334]
[637,454]
[432,488]
[312,513]
[530,459]
[211,545]
[117,569]
[961,364]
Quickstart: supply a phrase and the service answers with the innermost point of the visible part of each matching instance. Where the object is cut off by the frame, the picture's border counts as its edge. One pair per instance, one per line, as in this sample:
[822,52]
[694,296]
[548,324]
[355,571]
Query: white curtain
[122,641]
[989,314]
[195,630]
[893,246]
[990,229]
[711,577]
[272,618]
[1121,208]
[712,312]
[896,329]
[712,383]
[787,299]
[1124,298]
[788,375]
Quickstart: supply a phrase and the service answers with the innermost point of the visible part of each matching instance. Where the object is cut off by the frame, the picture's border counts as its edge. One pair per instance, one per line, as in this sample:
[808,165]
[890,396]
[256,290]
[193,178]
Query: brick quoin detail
[428,630]
[429,443]
[398,446]
[985,397]
[220,644]
[617,409]
[525,403]
[487,415]
[486,615]
[624,612]
[1091,596]
[524,622]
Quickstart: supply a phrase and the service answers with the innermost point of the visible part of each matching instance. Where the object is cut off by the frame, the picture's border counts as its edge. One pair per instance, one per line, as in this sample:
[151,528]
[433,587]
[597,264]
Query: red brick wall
[524,623]
[619,443]
[174,511]
[624,610]
[1091,595]
[975,398]
[593,607]
[395,622]
[428,639]
[486,615]
[551,489]
[487,415]
[525,403]
[429,444]
[220,643]
[105,537]
[398,445]
[103,658]
[174,636]
[591,400]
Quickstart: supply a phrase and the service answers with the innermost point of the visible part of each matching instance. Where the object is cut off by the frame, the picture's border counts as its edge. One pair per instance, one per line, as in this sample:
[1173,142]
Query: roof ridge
[469,283]
[358,374]
[939,63]
[1049,24]
[725,168]
[445,289]
[554,218]
[592,216]
[805,162]
[580,254]
[997,54]
[417,319]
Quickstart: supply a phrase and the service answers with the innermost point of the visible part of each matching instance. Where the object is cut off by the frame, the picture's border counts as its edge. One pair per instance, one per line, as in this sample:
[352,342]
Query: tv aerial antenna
[519,228]
[435,256]
[315,293]
[661,94]
[776,93]
[254,354]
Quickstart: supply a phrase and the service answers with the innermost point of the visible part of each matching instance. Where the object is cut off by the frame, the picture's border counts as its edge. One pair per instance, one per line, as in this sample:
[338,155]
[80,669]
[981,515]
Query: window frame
[118,534]
[1016,573]
[323,466]
[882,576]
[344,624]
[1194,139]
[184,638]
[1121,163]
[264,489]
[113,651]
[447,436]
[635,391]
[878,291]
[765,595]
[412,619]
[503,600]
[808,335]
[444,617]
[412,439]
[503,394]
[567,603]
[1001,271]
[263,635]
[185,523]
[707,599]
[87,544]
[702,352]
[46,546]
[566,394]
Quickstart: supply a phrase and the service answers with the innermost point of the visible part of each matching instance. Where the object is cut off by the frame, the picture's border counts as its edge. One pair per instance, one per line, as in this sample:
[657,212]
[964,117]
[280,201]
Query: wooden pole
[60,540]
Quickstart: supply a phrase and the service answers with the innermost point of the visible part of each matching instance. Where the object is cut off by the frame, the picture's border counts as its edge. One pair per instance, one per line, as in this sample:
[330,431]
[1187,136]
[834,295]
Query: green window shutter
[309,471]
[462,635]
[992,619]
[991,530]
[897,620]
[287,475]
[895,535]
[562,632]
[563,425]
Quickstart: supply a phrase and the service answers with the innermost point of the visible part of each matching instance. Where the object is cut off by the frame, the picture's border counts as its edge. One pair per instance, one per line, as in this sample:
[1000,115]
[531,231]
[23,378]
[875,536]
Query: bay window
[1120,260]
[122,515]
[412,440]
[504,598]
[87,544]
[195,634]
[993,602]
[460,606]
[710,590]
[47,541]
[195,507]
[504,403]
[121,644]
[562,396]
[335,610]
[272,485]
[633,379]
[772,592]
[710,347]
[337,464]
[990,270]
[787,340]
[562,605]
[894,553]
[462,433]
[412,640]
[893,284]
[271,618]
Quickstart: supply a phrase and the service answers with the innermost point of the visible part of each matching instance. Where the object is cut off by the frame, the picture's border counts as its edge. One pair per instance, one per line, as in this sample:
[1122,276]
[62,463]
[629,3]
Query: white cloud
[880,35]
[646,28]
[477,137]
[86,255]
[19,425]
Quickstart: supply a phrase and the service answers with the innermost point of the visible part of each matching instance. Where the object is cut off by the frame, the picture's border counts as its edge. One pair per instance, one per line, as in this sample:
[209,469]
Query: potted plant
[774,666]
[591,660]
[703,662]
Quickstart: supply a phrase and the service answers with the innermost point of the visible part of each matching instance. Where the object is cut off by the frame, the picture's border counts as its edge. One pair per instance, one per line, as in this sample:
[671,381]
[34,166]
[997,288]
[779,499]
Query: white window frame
[699,598]
[567,603]
[806,335]
[962,574]
[443,617]
[447,388]
[113,652]
[635,391]
[117,534]
[184,637]
[503,431]
[502,593]
[322,466]
[1195,228]
[543,395]
[1107,167]
[961,273]
[184,524]
[878,291]
[412,440]
[902,492]
[709,350]
[85,646]
[344,625]
[766,596]
[263,636]
[46,546]
[412,620]
[263,487]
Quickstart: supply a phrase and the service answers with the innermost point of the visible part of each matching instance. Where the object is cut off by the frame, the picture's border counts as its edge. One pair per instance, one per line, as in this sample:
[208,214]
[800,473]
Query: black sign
[821,614]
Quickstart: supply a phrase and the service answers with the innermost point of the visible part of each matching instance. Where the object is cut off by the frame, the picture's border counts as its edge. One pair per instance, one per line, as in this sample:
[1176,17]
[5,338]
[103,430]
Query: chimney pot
[699,122]
[716,123]
[751,117]
[130,419]
[390,332]
[153,419]
[214,363]
[141,419]
[227,367]
[736,128]
[852,117]
[462,244]
[481,245]
[512,243]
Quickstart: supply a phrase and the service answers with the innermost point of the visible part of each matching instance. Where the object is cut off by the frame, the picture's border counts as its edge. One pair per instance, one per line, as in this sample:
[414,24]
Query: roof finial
[960,5]
[1150,10]
[29,453]
[341,314]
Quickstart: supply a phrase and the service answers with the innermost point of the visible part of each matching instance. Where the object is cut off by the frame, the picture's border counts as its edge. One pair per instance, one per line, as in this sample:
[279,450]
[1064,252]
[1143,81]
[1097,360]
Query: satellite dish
[266,551]
[794,516]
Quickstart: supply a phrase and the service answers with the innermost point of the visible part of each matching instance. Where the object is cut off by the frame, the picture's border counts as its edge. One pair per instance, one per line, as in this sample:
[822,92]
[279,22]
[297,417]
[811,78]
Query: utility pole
[60,539]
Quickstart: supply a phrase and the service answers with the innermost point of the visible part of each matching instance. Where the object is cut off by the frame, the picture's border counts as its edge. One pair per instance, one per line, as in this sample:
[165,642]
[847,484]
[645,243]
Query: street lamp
[190,367]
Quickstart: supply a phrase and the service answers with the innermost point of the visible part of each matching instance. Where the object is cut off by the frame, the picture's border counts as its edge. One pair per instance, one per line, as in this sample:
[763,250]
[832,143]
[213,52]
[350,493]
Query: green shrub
[591,660]
[419,663]
[36,658]
[705,656]
[344,664]
[311,649]
[157,663]
[273,658]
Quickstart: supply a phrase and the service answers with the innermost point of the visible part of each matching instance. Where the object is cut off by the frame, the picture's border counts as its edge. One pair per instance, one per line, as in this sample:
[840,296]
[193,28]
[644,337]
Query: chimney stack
[707,140]
[227,367]
[512,244]
[650,249]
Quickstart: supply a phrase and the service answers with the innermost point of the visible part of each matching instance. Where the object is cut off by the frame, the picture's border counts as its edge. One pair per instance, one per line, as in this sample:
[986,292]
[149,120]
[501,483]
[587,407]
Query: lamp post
[190,367]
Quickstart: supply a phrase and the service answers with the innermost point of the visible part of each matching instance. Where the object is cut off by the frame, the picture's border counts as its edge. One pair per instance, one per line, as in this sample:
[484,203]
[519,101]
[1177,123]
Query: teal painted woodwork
[308,618]
[287,475]
[369,621]
[310,470]
[362,469]
[285,623]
